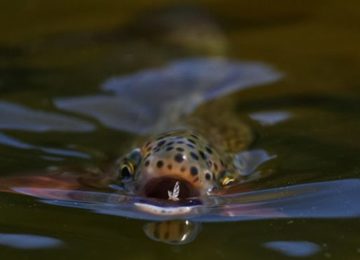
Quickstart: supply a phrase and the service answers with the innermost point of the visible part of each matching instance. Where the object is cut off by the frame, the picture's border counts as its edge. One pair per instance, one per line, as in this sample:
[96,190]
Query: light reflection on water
[13,142]
[28,241]
[18,117]
[269,118]
[294,248]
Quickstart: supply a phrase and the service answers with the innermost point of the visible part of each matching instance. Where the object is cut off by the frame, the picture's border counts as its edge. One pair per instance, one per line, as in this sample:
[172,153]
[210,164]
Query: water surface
[309,118]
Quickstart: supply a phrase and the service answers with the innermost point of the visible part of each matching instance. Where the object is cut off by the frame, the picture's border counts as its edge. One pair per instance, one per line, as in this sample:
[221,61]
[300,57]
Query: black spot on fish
[161,143]
[192,141]
[169,166]
[183,169]
[147,163]
[160,137]
[179,158]
[160,164]
[208,176]
[190,145]
[209,150]
[194,156]
[202,154]
[180,142]
[194,136]
[169,148]
[180,149]
[222,163]
[193,171]
[170,143]
[215,166]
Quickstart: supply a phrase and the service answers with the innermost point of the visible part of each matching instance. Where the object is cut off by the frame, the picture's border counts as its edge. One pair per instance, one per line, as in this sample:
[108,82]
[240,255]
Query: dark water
[55,50]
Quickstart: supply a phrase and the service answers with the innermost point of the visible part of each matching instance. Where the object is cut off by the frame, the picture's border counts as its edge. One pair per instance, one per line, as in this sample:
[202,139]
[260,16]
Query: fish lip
[159,187]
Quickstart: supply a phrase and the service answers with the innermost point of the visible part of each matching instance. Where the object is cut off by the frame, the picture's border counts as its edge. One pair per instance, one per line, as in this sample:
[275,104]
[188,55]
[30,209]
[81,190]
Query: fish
[179,161]
[178,164]
[180,156]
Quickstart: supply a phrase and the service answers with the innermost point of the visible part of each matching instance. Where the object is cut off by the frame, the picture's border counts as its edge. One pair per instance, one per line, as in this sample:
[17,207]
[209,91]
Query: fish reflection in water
[29,241]
[175,232]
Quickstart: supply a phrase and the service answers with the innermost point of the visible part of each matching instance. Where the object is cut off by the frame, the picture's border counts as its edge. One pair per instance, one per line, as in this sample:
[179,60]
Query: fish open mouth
[170,188]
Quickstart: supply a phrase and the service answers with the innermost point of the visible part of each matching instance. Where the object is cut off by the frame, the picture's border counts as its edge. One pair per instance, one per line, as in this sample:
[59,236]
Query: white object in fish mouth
[174,195]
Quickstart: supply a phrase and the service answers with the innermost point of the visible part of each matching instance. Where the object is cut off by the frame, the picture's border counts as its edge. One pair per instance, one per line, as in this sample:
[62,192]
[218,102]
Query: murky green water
[51,50]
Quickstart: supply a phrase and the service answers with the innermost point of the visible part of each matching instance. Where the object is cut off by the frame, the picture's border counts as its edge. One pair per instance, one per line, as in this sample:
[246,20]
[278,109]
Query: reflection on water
[294,248]
[271,117]
[27,241]
[18,117]
[174,232]
[13,142]
[156,98]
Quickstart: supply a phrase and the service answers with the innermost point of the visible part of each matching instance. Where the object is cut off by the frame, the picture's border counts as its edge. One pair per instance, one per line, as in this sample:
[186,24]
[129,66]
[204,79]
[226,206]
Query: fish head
[174,165]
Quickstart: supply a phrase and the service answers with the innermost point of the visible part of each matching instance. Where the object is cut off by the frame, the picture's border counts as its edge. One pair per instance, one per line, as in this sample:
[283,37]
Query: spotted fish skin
[182,155]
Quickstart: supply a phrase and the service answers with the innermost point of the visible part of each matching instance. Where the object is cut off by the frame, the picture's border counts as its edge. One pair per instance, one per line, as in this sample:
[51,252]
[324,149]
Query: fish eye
[226,179]
[127,165]
[126,171]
